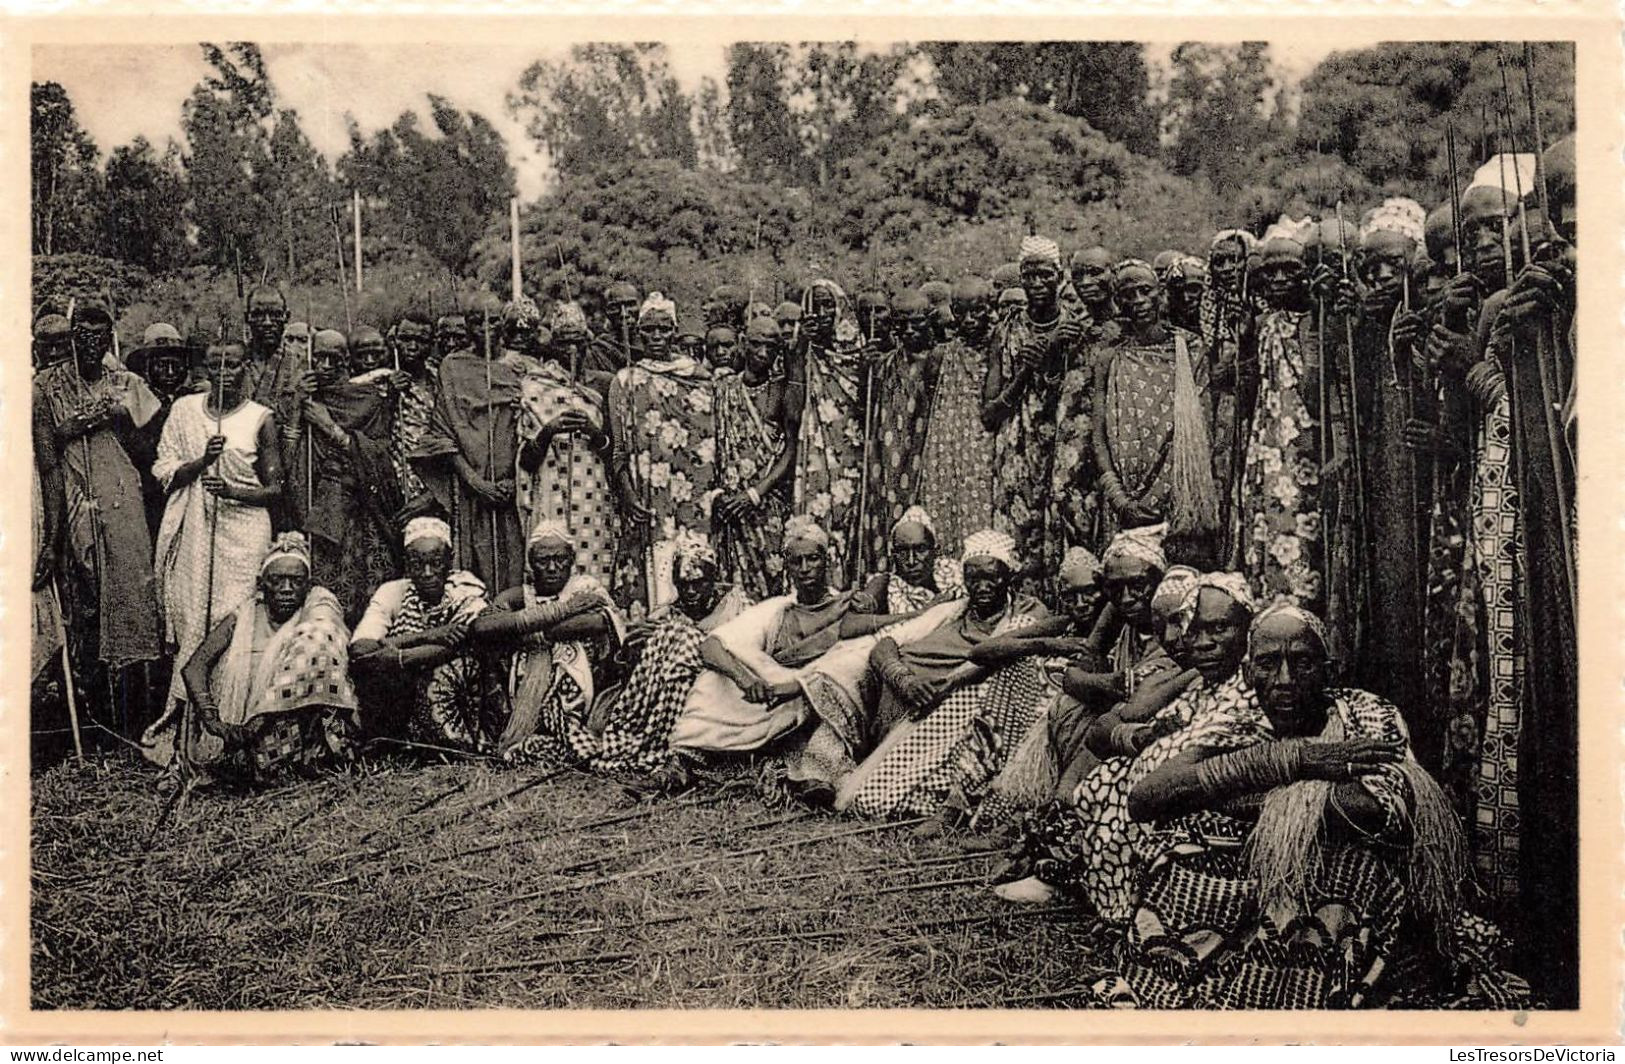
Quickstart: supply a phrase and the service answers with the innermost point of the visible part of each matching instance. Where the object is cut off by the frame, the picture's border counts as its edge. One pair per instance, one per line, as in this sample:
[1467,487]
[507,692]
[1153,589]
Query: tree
[759,119]
[65,184]
[146,197]
[1106,83]
[435,192]
[842,99]
[1214,120]
[606,104]
[1383,110]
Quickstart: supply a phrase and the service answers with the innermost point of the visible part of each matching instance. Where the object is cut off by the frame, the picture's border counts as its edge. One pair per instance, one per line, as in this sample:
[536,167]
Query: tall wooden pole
[356,211]
[514,266]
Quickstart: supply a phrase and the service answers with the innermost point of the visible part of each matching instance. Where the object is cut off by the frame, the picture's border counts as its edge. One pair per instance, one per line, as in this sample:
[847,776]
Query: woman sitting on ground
[948,723]
[917,576]
[271,682]
[662,657]
[560,632]
[749,700]
[1299,857]
[1085,847]
[412,655]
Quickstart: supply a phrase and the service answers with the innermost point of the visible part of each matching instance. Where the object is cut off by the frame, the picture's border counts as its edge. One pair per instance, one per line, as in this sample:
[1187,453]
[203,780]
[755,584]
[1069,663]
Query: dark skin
[697,595]
[975,318]
[1288,667]
[329,368]
[168,372]
[368,352]
[658,334]
[915,328]
[284,585]
[1091,279]
[987,589]
[1129,584]
[1211,648]
[53,499]
[451,336]
[1139,308]
[807,564]
[761,356]
[428,566]
[266,314]
[48,352]
[1041,280]
[413,341]
[1063,635]
[571,423]
[92,340]
[550,564]
[913,555]
[1225,265]
[226,373]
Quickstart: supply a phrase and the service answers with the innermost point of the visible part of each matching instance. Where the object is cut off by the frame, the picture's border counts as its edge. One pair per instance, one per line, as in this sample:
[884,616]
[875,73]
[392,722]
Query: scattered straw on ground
[460,886]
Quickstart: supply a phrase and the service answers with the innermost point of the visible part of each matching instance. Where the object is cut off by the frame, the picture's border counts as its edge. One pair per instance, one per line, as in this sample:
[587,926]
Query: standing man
[165,363]
[956,460]
[904,382]
[83,412]
[413,386]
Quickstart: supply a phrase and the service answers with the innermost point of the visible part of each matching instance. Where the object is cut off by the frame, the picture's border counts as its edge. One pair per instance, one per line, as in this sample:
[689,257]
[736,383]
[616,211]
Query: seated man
[918,576]
[947,723]
[412,656]
[1301,858]
[750,696]
[1085,845]
[662,657]
[271,682]
[559,632]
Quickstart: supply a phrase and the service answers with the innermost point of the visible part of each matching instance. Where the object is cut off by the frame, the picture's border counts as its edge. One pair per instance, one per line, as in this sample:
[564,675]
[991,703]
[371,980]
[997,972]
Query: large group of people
[1232,591]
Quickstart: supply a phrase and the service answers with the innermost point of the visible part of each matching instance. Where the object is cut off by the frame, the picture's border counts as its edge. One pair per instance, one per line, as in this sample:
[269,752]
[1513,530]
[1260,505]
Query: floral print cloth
[1280,512]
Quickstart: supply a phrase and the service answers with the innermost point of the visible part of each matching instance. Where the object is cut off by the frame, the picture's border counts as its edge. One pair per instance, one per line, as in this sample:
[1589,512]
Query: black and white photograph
[862,523]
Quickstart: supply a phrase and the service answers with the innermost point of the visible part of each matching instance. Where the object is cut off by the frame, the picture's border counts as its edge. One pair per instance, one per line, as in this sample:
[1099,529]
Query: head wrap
[287,545]
[1189,268]
[1297,613]
[1080,566]
[1142,544]
[1234,585]
[426,528]
[522,312]
[990,544]
[829,286]
[693,557]
[1037,248]
[549,530]
[1509,171]
[1248,241]
[801,527]
[568,317]
[1170,594]
[1132,264]
[1285,228]
[1396,215]
[916,515]
[657,304]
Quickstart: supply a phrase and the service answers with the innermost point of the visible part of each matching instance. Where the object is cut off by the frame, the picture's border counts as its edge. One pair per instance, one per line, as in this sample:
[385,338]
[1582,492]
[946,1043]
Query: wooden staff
[67,674]
[490,443]
[1455,193]
[355,202]
[1548,384]
[514,266]
[338,245]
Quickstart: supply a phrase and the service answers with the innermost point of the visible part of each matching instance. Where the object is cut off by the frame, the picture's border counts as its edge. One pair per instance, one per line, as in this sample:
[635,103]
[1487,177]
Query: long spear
[356,206]
[513,248]
[1548,385]
[338,245]
[490,442]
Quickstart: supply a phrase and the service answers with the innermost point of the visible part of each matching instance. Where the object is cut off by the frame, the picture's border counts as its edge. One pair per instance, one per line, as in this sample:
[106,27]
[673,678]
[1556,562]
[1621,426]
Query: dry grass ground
[462,886]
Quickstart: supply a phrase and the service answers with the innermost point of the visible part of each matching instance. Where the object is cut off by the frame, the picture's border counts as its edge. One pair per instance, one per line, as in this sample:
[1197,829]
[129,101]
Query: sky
[374,82]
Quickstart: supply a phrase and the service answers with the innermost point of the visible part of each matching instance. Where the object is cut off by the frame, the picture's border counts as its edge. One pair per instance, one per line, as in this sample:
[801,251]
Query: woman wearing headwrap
[412,655]
[1034,351]
[946,724]
[1070,643]
[563,472]
[756,425]
[956,457]
[560,632]
[1088,848]
[827,369]
[661,419]
[1151,443]
[271,681]
[1299,857]
[1224,321]
[664,651]
[904,380]
[750,697]
[341,487]
[1280,529]
[466,458]
[916,575]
